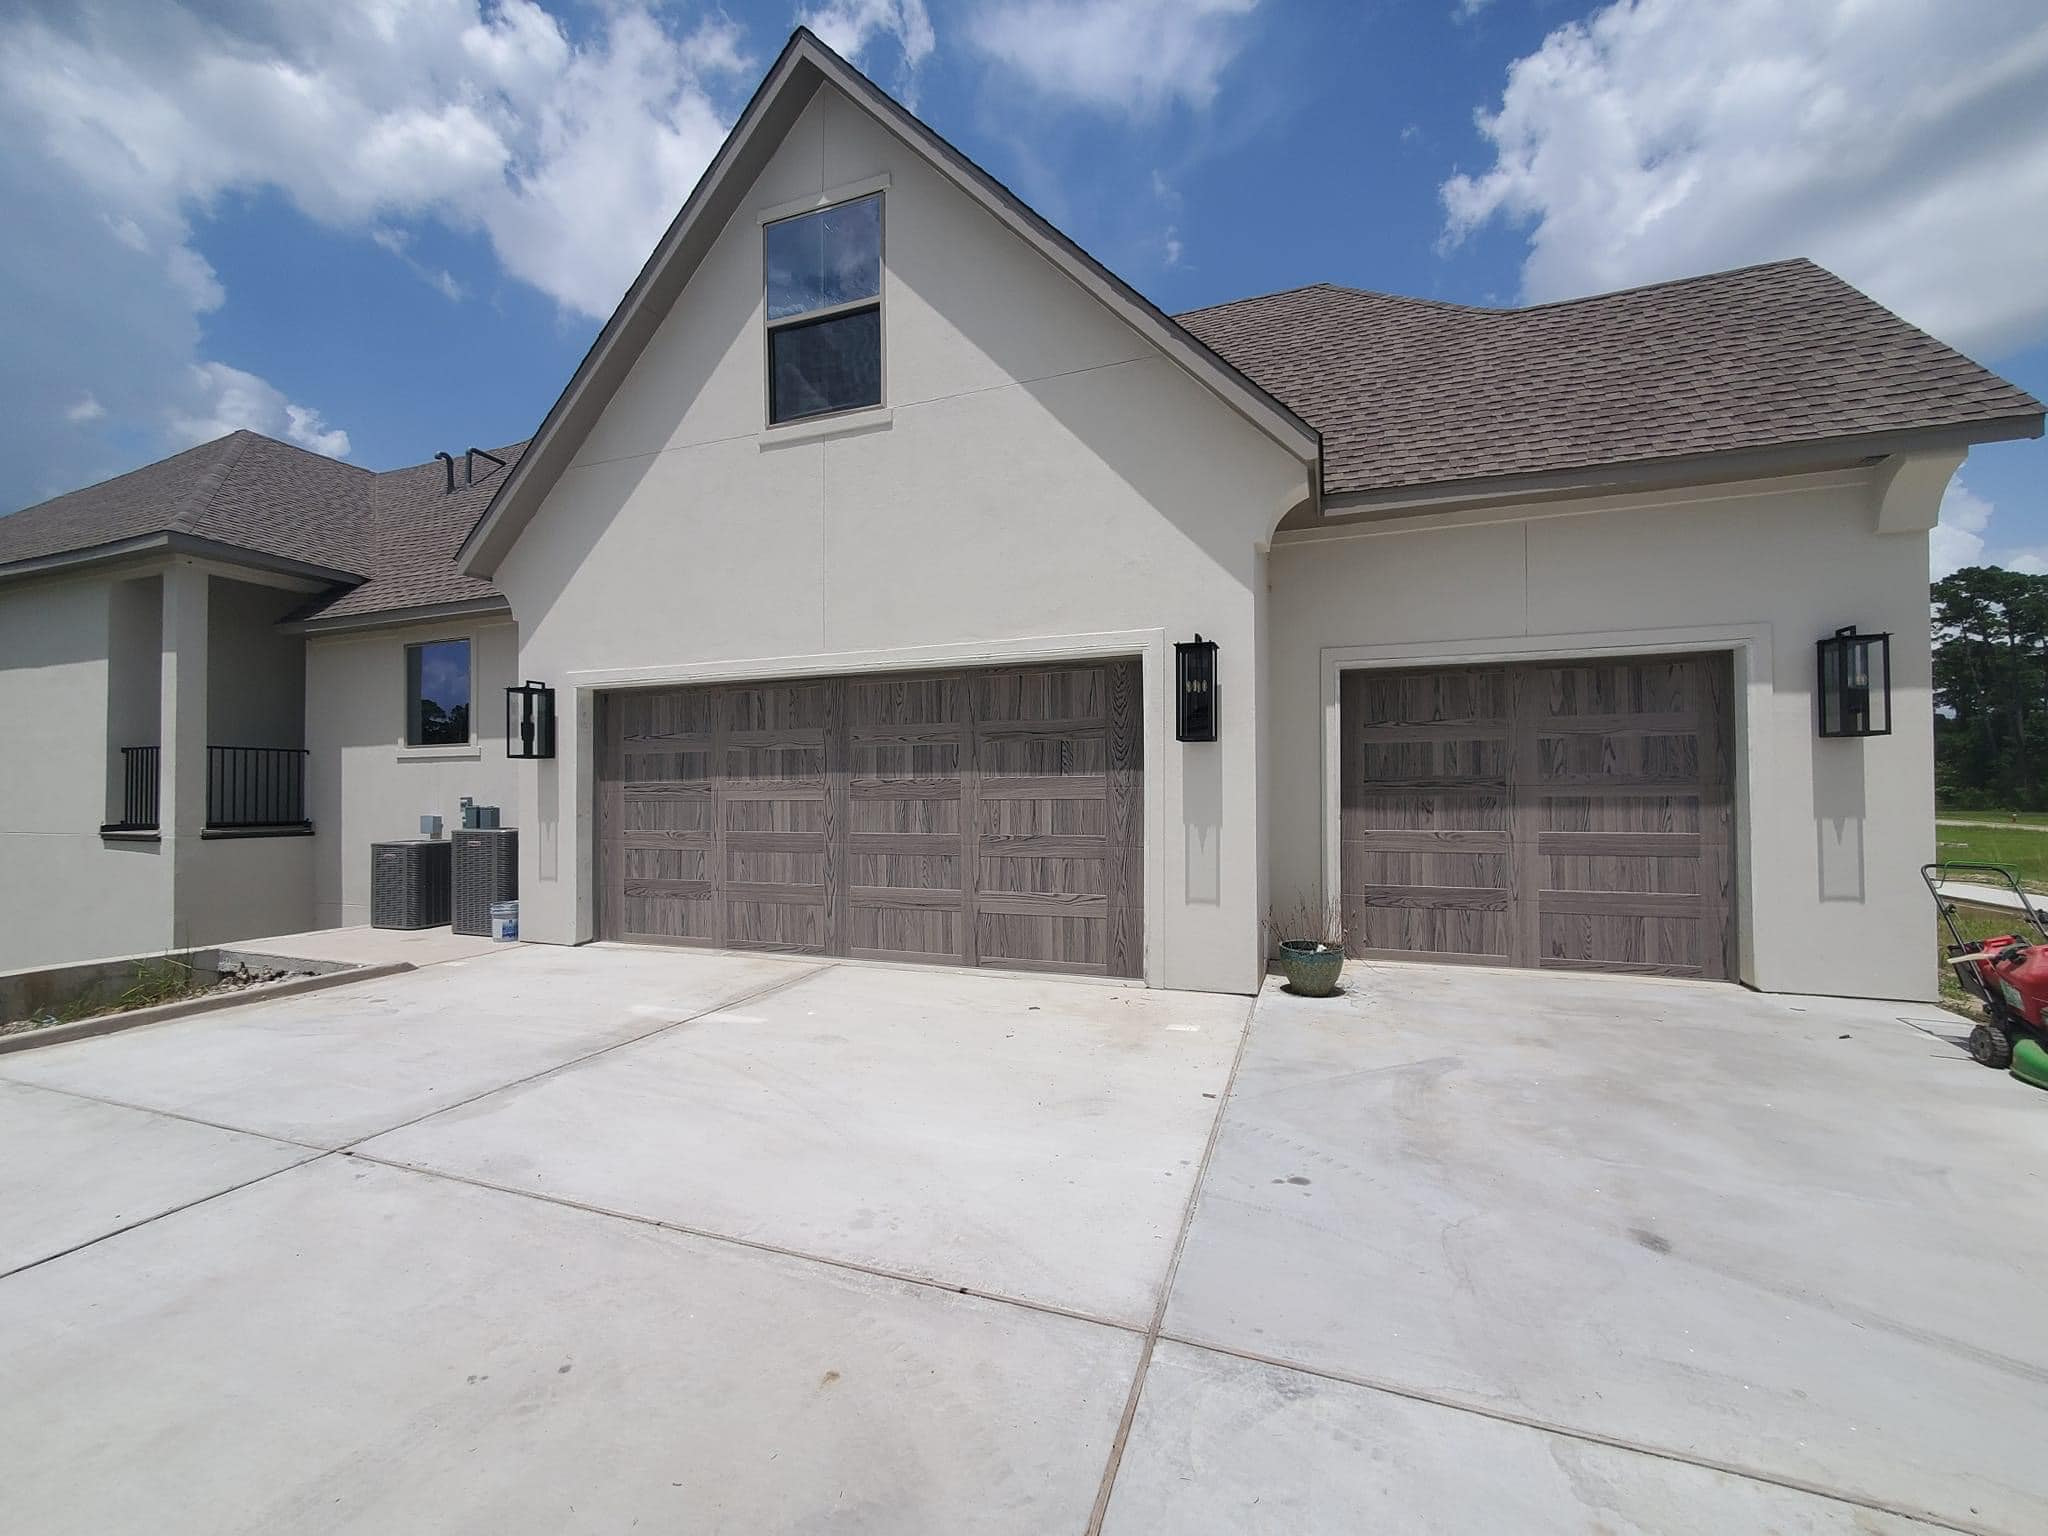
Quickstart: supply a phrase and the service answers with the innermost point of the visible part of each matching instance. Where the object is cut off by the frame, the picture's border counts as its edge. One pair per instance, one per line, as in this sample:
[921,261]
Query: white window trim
[450,752]
[854,416]
[845,192]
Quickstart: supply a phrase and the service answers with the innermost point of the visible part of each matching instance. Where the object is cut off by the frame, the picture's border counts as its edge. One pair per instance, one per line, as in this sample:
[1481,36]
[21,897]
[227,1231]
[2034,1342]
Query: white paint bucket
[505,921]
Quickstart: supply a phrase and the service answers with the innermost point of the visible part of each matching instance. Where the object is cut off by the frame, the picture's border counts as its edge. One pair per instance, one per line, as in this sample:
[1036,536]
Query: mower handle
[1934,875]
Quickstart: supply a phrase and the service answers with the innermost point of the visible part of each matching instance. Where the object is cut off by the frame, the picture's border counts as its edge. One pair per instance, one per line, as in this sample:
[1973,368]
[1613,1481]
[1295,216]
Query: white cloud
[1958,538]
[1903,143]
[219,399]
[1963,536]
[84,409]
[124,124]
[2028,562]
[193,279]
[399,244]
[1127,56]
[847,27]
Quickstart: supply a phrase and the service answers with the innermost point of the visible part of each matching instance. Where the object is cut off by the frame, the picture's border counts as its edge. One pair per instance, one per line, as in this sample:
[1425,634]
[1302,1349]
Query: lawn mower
[2008,973]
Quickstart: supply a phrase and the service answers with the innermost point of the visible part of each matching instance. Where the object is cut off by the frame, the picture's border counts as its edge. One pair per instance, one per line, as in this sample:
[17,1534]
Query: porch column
[183,766]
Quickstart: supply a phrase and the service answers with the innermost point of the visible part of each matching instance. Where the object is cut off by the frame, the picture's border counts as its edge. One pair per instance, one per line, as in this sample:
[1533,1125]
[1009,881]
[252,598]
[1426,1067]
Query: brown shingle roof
[417,525]
[1413,393]
[398,530]
[244,489]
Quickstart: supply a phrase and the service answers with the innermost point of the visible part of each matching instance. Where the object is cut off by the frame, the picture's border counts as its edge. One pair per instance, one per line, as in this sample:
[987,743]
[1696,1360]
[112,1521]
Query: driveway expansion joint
[780,985]
[756,1245]
[1501,1415]
[1187,1221]
[314,1156]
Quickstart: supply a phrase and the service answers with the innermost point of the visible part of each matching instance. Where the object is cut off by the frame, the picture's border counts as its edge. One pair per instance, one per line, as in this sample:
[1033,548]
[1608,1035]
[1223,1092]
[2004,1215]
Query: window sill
[115,833]
[811,428]
[272,829]
[469,753]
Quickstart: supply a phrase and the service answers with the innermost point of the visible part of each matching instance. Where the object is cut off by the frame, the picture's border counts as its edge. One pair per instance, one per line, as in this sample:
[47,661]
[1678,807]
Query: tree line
[1991,689]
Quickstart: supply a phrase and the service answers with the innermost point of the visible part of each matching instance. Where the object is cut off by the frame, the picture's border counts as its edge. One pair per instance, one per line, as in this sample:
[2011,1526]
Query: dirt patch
[155,982]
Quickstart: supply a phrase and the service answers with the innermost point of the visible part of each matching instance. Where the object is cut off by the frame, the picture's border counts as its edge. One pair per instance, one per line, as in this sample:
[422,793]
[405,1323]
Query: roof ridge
[1782,263]
[210,481]
[1253,298]
[1514,309]
[93,485]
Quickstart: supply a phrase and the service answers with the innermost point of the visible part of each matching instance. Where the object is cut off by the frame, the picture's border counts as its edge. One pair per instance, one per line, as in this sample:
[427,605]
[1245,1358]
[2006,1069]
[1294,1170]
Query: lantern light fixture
[1855,684]
[1195,677]
[529,720]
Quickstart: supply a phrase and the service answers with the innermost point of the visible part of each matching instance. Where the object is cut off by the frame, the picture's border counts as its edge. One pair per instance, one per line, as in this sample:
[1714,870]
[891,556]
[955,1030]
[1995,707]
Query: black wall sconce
[1855,684]
[529,720]
[1195,675]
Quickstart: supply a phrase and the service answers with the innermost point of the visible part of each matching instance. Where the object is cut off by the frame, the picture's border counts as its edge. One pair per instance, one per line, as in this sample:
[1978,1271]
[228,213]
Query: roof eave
[172,542]
[385,618]
[804,64]
[1651,474]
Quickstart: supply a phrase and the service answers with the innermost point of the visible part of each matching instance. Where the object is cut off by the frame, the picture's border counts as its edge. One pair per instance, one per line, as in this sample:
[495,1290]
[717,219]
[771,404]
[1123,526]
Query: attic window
[825,310]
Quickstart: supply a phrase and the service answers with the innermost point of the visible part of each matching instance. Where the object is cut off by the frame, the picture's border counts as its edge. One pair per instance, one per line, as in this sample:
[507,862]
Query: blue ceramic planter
[1311,968]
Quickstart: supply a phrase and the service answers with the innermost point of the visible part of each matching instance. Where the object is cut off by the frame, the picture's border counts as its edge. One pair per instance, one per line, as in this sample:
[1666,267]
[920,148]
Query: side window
[824,280]
[437,694]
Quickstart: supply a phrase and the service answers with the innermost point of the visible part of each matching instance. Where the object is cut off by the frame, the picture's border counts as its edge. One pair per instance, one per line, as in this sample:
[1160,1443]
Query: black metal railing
[139,789]
[255,786]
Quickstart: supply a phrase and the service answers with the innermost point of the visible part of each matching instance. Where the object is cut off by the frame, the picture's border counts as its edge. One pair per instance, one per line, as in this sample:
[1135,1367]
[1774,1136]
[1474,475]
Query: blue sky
[384,229]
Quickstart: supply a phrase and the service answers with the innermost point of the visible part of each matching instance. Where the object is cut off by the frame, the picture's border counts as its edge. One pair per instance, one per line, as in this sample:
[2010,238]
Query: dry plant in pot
[1310,939]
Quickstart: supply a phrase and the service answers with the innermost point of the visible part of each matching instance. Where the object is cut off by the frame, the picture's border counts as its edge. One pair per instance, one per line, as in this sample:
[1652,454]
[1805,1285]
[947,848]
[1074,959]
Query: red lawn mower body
[2008,973]
[2016,969]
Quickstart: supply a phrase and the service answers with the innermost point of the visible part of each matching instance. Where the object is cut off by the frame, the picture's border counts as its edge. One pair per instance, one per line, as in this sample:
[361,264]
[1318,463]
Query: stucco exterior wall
[243,888]
[1043,484]
[364,784]
[66,894]
[256,673]
[1830,834]
[135,621]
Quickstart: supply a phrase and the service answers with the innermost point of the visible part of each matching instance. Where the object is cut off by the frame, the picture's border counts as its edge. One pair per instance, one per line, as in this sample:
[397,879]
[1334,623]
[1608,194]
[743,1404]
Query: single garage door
[971,818]
[1561,814]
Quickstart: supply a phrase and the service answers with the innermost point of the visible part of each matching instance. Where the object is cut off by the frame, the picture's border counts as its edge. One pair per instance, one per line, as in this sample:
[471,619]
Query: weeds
[1306,919]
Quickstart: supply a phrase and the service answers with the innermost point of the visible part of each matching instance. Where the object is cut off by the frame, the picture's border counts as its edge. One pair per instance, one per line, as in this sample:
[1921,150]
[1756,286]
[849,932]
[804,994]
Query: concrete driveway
[561,1240]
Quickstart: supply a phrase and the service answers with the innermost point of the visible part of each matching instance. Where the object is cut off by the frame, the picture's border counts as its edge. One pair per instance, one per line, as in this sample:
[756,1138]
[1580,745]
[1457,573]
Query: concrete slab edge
[114,1023]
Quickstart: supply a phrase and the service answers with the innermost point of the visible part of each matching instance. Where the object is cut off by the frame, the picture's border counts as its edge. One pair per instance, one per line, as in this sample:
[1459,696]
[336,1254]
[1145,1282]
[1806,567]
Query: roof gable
[804,65]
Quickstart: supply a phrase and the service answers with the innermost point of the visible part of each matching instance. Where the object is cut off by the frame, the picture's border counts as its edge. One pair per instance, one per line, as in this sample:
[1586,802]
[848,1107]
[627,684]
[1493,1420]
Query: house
[859,552]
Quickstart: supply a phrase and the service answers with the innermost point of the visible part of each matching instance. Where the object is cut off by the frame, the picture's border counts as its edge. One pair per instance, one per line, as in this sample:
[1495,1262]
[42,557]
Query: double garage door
[986,817]
[1575,815]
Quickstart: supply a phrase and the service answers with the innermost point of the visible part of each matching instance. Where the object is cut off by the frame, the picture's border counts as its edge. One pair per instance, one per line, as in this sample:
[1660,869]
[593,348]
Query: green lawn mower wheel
[2030,1063]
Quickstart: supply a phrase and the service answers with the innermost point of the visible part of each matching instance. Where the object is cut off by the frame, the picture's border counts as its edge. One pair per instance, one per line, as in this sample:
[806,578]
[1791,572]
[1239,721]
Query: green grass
[2022,851]
[2002,818]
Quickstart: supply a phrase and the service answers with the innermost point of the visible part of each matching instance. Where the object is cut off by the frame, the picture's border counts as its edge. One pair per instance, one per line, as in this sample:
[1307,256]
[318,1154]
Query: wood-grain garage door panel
[980,818]
[660,803]
[909,741]
[1570,815]
[774,819]
[1425,844]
